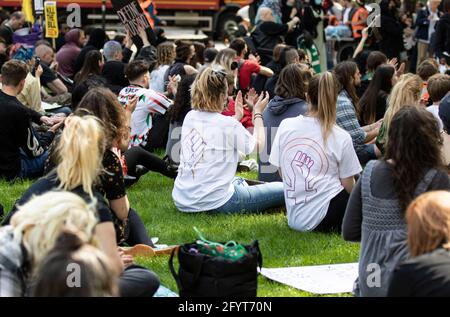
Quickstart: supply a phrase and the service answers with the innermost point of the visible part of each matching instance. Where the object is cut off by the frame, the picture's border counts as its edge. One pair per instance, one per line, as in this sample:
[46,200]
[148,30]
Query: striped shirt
[149,103]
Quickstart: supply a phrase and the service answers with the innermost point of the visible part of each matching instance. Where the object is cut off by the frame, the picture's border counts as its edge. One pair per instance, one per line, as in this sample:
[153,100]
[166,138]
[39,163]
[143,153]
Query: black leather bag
[201,275]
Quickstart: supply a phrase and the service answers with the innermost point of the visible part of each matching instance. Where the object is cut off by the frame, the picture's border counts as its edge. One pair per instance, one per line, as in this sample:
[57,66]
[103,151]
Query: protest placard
[133,18]
[51,20]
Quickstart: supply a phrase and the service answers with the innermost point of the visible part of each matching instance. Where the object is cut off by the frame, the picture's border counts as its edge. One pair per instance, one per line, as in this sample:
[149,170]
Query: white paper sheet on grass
[319,279]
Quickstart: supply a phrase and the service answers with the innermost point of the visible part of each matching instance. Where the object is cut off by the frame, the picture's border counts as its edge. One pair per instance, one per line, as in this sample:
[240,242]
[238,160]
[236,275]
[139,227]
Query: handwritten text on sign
[51,20]
[132,18]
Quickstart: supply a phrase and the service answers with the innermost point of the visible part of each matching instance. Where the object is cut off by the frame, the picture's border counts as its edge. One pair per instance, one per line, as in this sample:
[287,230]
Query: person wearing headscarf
[67,55]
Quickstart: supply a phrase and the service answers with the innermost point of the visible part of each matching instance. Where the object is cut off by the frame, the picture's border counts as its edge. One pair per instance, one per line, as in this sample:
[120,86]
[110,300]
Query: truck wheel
[227,26]
[345,52]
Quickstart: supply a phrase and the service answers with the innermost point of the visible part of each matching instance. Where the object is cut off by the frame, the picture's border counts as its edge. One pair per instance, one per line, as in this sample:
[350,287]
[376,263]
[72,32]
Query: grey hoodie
[277,110]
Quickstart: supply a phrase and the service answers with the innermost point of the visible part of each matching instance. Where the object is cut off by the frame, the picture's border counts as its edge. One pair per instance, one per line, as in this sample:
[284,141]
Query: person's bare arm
[348,183]
[360,47]
[372,130]
[265,71]
[120,207]
[57,87]
[190,70]
[258,130]
[106,236]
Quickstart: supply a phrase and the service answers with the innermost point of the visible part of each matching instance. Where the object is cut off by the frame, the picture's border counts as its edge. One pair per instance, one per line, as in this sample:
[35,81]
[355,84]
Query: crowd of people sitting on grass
[359,150]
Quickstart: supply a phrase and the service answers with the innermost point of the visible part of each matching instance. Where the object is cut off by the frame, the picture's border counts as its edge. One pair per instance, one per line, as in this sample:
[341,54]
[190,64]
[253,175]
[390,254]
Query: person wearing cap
[359,19]
[444,114]
[209,55]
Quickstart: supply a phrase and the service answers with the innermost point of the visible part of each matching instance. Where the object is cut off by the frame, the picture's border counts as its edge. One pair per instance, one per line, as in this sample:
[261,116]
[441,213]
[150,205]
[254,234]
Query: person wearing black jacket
[114,68]
[391,29]
[442,40]
[16,21]
[23,152]
[269,33]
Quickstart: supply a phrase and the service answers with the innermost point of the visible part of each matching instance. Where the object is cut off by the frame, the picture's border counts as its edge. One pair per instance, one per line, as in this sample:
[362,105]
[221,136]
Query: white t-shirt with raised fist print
[311,170]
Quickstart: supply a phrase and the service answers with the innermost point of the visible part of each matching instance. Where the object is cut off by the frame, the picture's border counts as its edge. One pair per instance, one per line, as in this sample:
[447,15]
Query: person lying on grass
[211,145]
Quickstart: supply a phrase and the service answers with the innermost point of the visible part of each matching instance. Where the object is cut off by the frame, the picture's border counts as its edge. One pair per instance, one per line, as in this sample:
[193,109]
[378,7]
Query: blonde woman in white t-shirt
[211,145]
[317,161]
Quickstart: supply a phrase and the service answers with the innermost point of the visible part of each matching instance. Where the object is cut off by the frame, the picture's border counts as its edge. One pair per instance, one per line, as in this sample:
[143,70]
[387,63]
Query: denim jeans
[32,167]
[253,199]
[367,154]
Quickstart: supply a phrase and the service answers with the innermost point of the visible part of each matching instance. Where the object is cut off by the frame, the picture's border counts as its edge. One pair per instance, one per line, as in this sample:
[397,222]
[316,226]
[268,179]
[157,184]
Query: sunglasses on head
[220,72]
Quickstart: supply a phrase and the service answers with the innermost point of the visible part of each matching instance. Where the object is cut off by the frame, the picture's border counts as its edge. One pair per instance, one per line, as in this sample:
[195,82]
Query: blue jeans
[32,167]
[253,199]
[66,110]
[367,153]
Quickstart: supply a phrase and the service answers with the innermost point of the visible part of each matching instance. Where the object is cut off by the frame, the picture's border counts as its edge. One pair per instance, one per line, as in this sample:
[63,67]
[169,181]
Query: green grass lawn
[280,246]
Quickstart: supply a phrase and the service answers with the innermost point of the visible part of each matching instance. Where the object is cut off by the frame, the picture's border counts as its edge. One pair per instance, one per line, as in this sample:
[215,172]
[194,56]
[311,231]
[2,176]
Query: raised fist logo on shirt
[193,147]
[305,163]
[302,163]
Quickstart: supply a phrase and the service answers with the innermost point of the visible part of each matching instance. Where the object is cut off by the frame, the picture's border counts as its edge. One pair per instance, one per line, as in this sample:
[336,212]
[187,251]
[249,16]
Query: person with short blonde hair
[427,272]
[35,228]
[211,146]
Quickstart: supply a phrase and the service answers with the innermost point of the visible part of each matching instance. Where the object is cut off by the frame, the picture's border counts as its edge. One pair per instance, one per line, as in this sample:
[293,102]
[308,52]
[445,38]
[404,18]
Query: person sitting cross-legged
[211,146]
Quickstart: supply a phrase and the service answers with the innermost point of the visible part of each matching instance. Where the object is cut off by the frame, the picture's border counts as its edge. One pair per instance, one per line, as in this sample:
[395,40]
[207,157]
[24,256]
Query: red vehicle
[219,15]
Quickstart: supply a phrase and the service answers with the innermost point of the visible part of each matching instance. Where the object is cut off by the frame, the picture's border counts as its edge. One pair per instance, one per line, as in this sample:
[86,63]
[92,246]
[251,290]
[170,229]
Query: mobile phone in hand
[37,63]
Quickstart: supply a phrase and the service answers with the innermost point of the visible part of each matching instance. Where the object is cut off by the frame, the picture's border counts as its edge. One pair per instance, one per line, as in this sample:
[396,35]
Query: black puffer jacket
[442,39]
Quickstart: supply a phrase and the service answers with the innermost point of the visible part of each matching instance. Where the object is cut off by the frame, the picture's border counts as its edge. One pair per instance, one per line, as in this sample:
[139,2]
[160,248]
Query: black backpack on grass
[201,275]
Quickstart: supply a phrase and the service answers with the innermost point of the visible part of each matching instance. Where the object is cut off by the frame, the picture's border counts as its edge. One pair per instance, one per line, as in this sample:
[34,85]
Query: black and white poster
[133,18]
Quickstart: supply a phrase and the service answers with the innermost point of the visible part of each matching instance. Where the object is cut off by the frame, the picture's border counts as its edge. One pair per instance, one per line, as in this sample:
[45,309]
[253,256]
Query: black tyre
[227,26]
[345,52]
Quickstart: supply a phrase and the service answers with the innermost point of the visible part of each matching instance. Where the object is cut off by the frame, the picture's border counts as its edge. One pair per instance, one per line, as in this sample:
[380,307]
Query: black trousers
[138,234]
[335,214]
[137,281]
[139,156]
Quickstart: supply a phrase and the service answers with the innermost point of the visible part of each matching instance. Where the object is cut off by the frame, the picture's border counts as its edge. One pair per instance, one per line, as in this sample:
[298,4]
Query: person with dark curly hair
[375,214]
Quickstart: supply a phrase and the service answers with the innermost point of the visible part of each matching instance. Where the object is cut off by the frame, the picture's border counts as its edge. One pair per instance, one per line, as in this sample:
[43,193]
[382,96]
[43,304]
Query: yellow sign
[51,20]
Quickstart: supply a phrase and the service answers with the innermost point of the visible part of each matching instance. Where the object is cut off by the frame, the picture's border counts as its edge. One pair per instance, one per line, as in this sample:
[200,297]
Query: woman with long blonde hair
[33,232]
[427,272]
[79,156]
[316,160]
[406,92]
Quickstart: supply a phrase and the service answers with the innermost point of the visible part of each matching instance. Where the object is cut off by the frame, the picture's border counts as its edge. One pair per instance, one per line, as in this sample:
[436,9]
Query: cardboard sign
[133,18]
[51,20]
[38,7]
